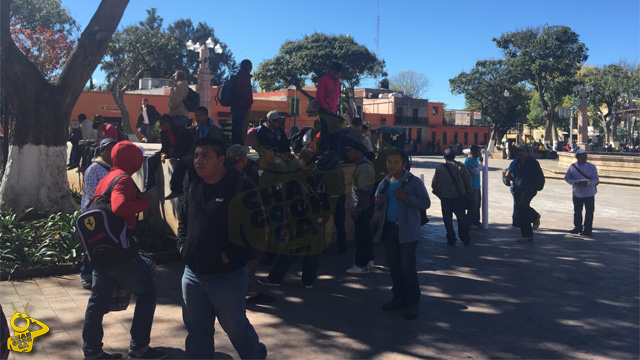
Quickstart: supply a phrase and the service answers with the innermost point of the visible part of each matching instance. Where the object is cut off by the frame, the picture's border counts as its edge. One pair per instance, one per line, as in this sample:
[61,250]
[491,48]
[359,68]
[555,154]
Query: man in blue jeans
[214,283]
[473,163]
[133,273]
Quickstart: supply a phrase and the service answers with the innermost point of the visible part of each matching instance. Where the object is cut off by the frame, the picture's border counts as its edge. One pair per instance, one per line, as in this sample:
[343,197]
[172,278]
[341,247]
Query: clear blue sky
[436,38]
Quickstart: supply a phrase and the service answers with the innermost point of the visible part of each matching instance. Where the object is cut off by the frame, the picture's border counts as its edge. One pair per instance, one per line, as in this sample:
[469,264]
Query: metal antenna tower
[378,32]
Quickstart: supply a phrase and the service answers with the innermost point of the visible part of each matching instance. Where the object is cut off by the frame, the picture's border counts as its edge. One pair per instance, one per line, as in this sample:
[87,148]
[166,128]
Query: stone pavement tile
[164,324]
[116,344]
[63,303]
[47,282]
[54,292]
[115,330]
[60,343]
[28,291]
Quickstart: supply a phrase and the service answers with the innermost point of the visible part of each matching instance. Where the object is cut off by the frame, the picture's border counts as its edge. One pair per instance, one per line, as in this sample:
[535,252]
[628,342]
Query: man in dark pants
[361,206]
[147,119]
[528,179]
[214,282]
[241,103]
[583,176]
[450,183]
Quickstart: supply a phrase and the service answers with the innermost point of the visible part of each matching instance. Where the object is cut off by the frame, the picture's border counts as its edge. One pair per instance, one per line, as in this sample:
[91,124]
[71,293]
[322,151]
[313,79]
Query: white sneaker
[357,270]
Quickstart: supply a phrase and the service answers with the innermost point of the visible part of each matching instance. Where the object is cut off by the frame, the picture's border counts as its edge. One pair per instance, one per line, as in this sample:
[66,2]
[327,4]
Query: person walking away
[509,174]
[214,282]
[528,179]
[177,95]
[451,182]
[242,99]
[474,165]
[147,119]
[361,207]
[126,202]
[399,198]
[583,176]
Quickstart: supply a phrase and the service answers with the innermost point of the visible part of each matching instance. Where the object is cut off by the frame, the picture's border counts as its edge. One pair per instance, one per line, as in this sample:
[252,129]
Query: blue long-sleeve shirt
[408,210]
[475,167]
[572,175]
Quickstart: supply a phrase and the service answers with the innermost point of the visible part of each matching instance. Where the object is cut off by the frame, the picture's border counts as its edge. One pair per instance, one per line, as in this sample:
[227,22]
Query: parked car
[468,150]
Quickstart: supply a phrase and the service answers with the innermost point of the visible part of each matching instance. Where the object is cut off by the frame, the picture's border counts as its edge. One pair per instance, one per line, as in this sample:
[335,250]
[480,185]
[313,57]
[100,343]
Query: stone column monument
[204,79]
[583,121]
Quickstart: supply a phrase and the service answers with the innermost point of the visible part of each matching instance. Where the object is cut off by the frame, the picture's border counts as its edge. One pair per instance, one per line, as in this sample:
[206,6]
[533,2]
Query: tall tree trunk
[118,97]
[36,176]
[551,115]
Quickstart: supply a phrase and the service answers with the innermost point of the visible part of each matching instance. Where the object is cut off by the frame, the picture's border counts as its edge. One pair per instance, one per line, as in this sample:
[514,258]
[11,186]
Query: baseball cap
[580,151]
[105,142]
[274,115]
[236,152]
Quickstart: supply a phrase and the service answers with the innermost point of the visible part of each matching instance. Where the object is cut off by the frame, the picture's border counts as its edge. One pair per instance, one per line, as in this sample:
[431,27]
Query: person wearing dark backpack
[528,179]
[451,182]
[399,198]
[129,269]
[214,282]
[241,101]
[583,176]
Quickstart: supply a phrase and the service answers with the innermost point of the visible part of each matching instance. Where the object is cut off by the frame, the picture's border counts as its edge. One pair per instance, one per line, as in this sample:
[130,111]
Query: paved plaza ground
[562,296]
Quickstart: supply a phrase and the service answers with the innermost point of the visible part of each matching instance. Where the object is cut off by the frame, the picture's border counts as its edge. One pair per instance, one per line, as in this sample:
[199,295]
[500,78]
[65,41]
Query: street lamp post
[204,74]
[568,112]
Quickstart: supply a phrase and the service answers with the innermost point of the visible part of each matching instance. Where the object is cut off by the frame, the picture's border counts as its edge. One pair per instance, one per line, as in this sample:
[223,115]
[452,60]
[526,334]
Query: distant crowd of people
[236,212]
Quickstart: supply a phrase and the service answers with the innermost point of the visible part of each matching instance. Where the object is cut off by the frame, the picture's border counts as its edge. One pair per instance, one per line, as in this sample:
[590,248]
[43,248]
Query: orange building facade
[423,120]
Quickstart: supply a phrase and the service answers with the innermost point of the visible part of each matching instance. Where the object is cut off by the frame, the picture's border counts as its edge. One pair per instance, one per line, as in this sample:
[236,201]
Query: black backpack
[225,93]
[192,101]
[106,238]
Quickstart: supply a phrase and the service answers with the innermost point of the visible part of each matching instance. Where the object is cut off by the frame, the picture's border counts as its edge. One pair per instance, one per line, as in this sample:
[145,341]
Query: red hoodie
[126,158]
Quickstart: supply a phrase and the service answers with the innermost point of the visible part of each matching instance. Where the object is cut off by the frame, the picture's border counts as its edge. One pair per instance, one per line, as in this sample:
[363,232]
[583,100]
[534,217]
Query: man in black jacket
[528,179]
[214,282]
[176,143]
[147,120]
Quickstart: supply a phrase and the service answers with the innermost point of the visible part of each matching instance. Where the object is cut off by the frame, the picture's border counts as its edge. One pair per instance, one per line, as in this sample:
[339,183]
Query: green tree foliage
[222,65]
[138,51]
[410,83]
[312,56]
[547,58]
[492,88]
[41,109]
[615,87]
[50,14]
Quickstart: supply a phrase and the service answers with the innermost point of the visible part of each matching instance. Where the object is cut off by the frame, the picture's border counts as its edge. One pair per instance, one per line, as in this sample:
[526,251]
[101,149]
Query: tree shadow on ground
[558,297]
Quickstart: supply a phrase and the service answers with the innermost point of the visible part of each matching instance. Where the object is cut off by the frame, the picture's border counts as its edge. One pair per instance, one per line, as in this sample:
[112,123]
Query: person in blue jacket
[399,197]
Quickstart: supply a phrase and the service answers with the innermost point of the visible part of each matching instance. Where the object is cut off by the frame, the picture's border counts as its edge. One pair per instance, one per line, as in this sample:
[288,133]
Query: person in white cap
[583,176]
[272,135]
